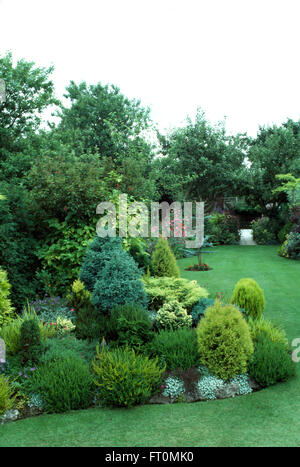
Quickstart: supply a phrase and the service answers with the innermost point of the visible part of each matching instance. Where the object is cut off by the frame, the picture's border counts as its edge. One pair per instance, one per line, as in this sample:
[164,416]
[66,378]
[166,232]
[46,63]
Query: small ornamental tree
[163,262]
[30,341]
[250,297]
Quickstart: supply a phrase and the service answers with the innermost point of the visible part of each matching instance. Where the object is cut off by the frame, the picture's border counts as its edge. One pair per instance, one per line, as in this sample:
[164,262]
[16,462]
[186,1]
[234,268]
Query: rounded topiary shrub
[163,261]
[224,341]
[271,362]
[124,378]
[172,316]
[249,296]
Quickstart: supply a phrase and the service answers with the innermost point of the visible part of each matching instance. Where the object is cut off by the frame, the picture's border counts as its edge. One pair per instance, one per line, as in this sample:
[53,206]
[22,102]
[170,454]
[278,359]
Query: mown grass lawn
[270,417]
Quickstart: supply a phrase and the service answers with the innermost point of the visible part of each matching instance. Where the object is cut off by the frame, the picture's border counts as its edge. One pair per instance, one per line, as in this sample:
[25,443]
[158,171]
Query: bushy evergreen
[248,295]
[224,341]
[163,261]
[111,275]
[30,341]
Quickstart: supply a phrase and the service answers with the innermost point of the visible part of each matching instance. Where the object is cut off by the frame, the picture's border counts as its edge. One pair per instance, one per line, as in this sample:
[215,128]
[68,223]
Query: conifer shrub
[98,253]
[111,275]
[125,378]
[271,362]
[161,290]
[30,341]
[199,309]
[163,261]
[248,295]
[89,322]
[172,316]
[6,309]
[224,341]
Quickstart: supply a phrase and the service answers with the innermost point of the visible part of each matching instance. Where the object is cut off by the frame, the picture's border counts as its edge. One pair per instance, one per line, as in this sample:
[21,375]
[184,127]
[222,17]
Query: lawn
[270,417]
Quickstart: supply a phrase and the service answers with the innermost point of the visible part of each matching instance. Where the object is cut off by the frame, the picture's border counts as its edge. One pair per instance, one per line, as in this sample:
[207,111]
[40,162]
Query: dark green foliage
[60,348]
[271,362]
[30,341]
[64,384]
[18,245]
[175,348]
[284,232]
[124,378]
[199,309]
[131,326]
[222,229]
[98,252]
[90,324]
[163,262]
[264,231]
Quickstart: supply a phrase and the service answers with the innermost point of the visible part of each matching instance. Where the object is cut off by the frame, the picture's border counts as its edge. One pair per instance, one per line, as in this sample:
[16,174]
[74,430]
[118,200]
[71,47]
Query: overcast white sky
[233,58]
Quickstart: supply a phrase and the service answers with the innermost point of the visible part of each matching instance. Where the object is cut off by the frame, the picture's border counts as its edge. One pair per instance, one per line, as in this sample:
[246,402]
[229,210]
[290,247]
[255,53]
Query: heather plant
[176,349]
[63,384]
[271,362]
[267,327]
[125,378]
[248,295]
[224,341]
[163,262]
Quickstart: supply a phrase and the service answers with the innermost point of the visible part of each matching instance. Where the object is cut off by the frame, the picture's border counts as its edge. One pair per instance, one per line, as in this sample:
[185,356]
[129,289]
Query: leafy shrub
[224,341]
[264,231]
[6,310]
[172,316]
[6,395]
[163,262]
[199,309]
[137,247]
[162,290]
[125,378]
[291,246]
[30,341]
[130,325]
[284,232]
[63,384]
[222,229]
[271,362]
[248,295]
[267,327]
[175,348]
